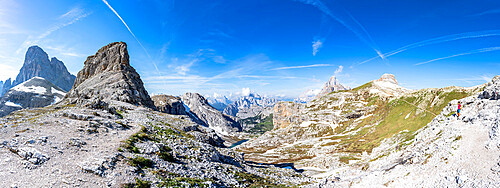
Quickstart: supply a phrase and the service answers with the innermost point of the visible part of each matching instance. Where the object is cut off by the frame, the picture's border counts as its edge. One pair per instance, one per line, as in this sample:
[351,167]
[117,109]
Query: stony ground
[116,144]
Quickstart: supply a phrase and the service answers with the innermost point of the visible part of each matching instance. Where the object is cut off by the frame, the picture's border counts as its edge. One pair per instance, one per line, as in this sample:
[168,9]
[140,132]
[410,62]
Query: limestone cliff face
[107,75]
[169,104]
[332,85]
[286,113]
[37,63]
[6,86]
[198,107]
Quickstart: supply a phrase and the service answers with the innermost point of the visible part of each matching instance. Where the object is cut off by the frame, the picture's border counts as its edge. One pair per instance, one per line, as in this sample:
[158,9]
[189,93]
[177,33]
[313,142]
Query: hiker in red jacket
[459,108]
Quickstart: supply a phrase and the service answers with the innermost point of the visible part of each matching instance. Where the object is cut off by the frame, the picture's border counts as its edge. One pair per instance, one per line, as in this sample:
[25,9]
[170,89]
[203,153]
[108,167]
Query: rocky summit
[199,107]
[34,93]
[332,85]
[38,64]
[107,75]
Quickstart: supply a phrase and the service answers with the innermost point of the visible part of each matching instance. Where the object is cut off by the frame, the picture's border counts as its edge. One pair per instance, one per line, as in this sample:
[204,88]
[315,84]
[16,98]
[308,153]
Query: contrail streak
[123,21]
[482,50]
[447,38]
[356,28]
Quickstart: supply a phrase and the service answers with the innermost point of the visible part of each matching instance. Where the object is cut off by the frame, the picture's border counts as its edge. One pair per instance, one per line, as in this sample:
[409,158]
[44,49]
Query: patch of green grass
[364,86]
[138,184]
[166,154]
[142,135]
[141,162]
[169,179]
[346,159]
[182,182]
[251,180]
[261,125]
[458,138]
[391,119]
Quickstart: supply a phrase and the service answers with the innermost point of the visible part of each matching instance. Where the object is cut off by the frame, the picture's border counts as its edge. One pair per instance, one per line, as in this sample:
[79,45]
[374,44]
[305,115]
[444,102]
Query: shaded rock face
[169,104]
[198,106]
[6,86]
[34,93]
[37,63]
[388,78]
[492,90]
[332,85]
[107,75]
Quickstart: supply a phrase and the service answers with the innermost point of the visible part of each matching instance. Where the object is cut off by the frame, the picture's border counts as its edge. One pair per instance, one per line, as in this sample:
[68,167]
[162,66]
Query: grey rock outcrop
[169,104]
[491,91]
[107,75]
[37,63]
[332,85]
[214,119]
[6,86]
[388,78]
[1,86]
[34,93]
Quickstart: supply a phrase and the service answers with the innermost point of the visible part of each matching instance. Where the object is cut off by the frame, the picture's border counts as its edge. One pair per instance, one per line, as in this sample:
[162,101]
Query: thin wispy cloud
[316,46]
[437,40]
[482,50]
[65,51]
[185,68]
[132,33]
[302,66]
[339,70]
[492,11]
[347,20]
[72,16]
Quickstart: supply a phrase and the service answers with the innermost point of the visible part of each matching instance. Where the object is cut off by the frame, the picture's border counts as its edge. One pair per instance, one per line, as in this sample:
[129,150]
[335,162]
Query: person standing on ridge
[459,108]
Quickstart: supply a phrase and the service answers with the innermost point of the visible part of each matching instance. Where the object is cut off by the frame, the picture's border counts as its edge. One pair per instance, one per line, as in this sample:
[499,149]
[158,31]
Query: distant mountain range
[38,64]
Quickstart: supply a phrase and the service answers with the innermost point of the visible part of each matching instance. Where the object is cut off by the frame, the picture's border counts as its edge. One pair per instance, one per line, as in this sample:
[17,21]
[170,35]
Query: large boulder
[169,104]
[107,75]
[491,91]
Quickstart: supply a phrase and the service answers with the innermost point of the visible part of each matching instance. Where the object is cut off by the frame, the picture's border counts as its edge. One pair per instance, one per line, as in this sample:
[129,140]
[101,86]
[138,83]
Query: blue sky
[273,47]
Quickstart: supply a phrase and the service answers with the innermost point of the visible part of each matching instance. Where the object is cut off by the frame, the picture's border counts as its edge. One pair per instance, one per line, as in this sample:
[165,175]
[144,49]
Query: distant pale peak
[388,78]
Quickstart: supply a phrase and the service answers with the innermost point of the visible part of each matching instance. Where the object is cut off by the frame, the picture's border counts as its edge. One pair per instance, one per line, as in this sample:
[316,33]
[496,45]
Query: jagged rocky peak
[37,63]
[388,78]
[107,75]
[333,84]
[201,111]
[169,104]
